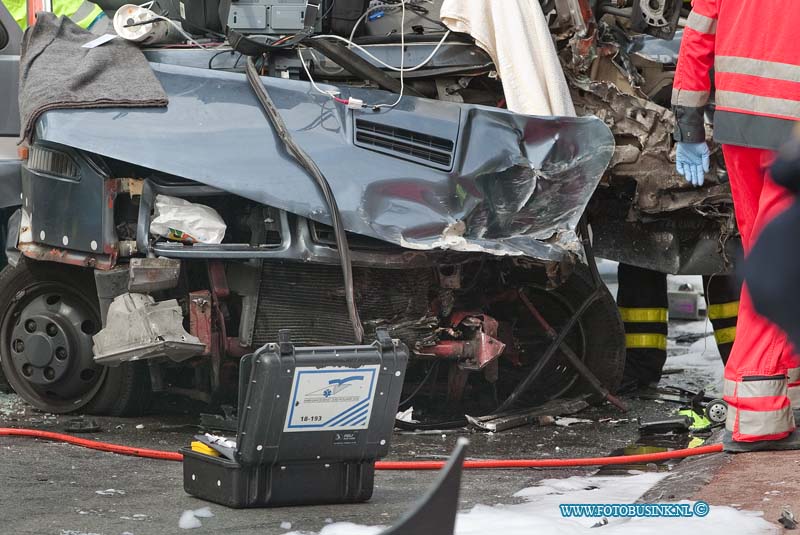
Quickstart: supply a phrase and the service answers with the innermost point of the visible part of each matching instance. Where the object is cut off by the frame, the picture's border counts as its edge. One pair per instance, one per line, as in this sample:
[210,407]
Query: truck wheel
[598,339]
[604,353]
[49,315]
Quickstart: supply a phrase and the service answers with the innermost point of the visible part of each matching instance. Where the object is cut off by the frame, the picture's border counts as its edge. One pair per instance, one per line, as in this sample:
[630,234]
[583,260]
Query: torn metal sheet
[153,274]
[500,422]
[425,175]
[138,328]
[655,49]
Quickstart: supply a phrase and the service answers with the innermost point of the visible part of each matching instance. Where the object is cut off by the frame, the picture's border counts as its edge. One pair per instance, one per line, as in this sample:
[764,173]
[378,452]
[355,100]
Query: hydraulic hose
[387,465]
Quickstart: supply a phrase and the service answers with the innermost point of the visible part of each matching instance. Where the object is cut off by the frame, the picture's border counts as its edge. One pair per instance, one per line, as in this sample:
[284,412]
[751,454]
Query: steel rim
[558,377]
[717,412]
[47,356]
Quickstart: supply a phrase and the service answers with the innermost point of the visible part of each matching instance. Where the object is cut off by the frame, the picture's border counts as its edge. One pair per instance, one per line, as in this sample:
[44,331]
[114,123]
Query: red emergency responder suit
[754,48]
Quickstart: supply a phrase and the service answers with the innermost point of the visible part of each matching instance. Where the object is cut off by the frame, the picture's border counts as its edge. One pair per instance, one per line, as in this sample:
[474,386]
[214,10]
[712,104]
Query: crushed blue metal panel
[517,184]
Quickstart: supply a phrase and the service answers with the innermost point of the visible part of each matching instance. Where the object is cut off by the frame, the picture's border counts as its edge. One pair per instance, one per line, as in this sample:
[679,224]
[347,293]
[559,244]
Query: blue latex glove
[692,162]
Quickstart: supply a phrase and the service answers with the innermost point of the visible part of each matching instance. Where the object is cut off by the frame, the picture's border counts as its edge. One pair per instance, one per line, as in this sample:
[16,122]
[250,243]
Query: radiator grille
[308,299]
[431,150]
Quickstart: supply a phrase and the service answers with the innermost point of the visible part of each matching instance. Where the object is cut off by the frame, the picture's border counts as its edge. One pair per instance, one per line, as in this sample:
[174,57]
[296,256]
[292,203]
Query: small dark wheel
[717,411]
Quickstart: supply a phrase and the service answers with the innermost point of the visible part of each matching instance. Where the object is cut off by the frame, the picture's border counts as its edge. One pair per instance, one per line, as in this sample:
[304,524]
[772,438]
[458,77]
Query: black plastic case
[321,452]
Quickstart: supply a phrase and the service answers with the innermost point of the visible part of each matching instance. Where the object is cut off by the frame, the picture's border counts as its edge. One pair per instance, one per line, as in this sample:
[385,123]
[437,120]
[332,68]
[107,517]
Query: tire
[5,388]
[46,304]
[598,339]
[605,355]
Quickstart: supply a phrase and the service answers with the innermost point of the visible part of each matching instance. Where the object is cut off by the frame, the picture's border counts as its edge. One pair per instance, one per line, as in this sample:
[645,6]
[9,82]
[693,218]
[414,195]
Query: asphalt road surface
[59,489]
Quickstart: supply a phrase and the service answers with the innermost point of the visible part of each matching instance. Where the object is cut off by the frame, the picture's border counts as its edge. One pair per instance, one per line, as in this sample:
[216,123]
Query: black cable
[358,66]
[416,8]
[311,167]
[428,375]
[328,11]
[212,58]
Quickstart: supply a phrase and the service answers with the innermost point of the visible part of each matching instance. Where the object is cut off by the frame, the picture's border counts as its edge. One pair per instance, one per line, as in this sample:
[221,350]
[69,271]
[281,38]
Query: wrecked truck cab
[456,214]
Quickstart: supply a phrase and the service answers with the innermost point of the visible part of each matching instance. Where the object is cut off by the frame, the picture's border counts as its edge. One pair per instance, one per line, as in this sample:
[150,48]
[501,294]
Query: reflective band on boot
[723,310]
[646,341]
[643,315]
[725,336]
[758,408]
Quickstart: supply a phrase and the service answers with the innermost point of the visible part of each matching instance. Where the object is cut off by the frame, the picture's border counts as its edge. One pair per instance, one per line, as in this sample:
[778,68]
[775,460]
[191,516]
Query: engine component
[266,17]
[199,16]
[385,18]
[480,347]
[137,327]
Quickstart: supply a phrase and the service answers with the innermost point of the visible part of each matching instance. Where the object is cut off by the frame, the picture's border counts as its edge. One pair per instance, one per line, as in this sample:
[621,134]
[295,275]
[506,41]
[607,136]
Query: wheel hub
[47,333]
[42,348]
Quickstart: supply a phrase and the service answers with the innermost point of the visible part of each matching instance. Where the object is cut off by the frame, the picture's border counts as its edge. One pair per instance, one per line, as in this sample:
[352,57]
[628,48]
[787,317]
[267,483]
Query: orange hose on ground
[386,465]
[93,444]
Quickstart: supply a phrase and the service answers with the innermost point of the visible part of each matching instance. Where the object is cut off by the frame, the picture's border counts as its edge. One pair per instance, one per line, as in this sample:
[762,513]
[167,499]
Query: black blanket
[56,72]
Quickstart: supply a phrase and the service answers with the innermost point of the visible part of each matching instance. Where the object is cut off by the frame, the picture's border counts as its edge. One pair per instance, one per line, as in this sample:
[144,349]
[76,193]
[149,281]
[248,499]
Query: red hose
[386,465]
[93,444]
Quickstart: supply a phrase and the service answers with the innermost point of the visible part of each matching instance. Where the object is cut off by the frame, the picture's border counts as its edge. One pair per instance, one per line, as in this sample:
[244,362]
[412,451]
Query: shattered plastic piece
[566,422]
[787,519]
[407,416]
[189,521]
[110,492]
[186,222]
[140,426]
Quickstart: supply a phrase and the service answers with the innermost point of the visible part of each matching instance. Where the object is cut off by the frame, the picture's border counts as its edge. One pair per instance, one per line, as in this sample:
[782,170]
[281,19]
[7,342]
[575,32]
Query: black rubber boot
[792,442]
